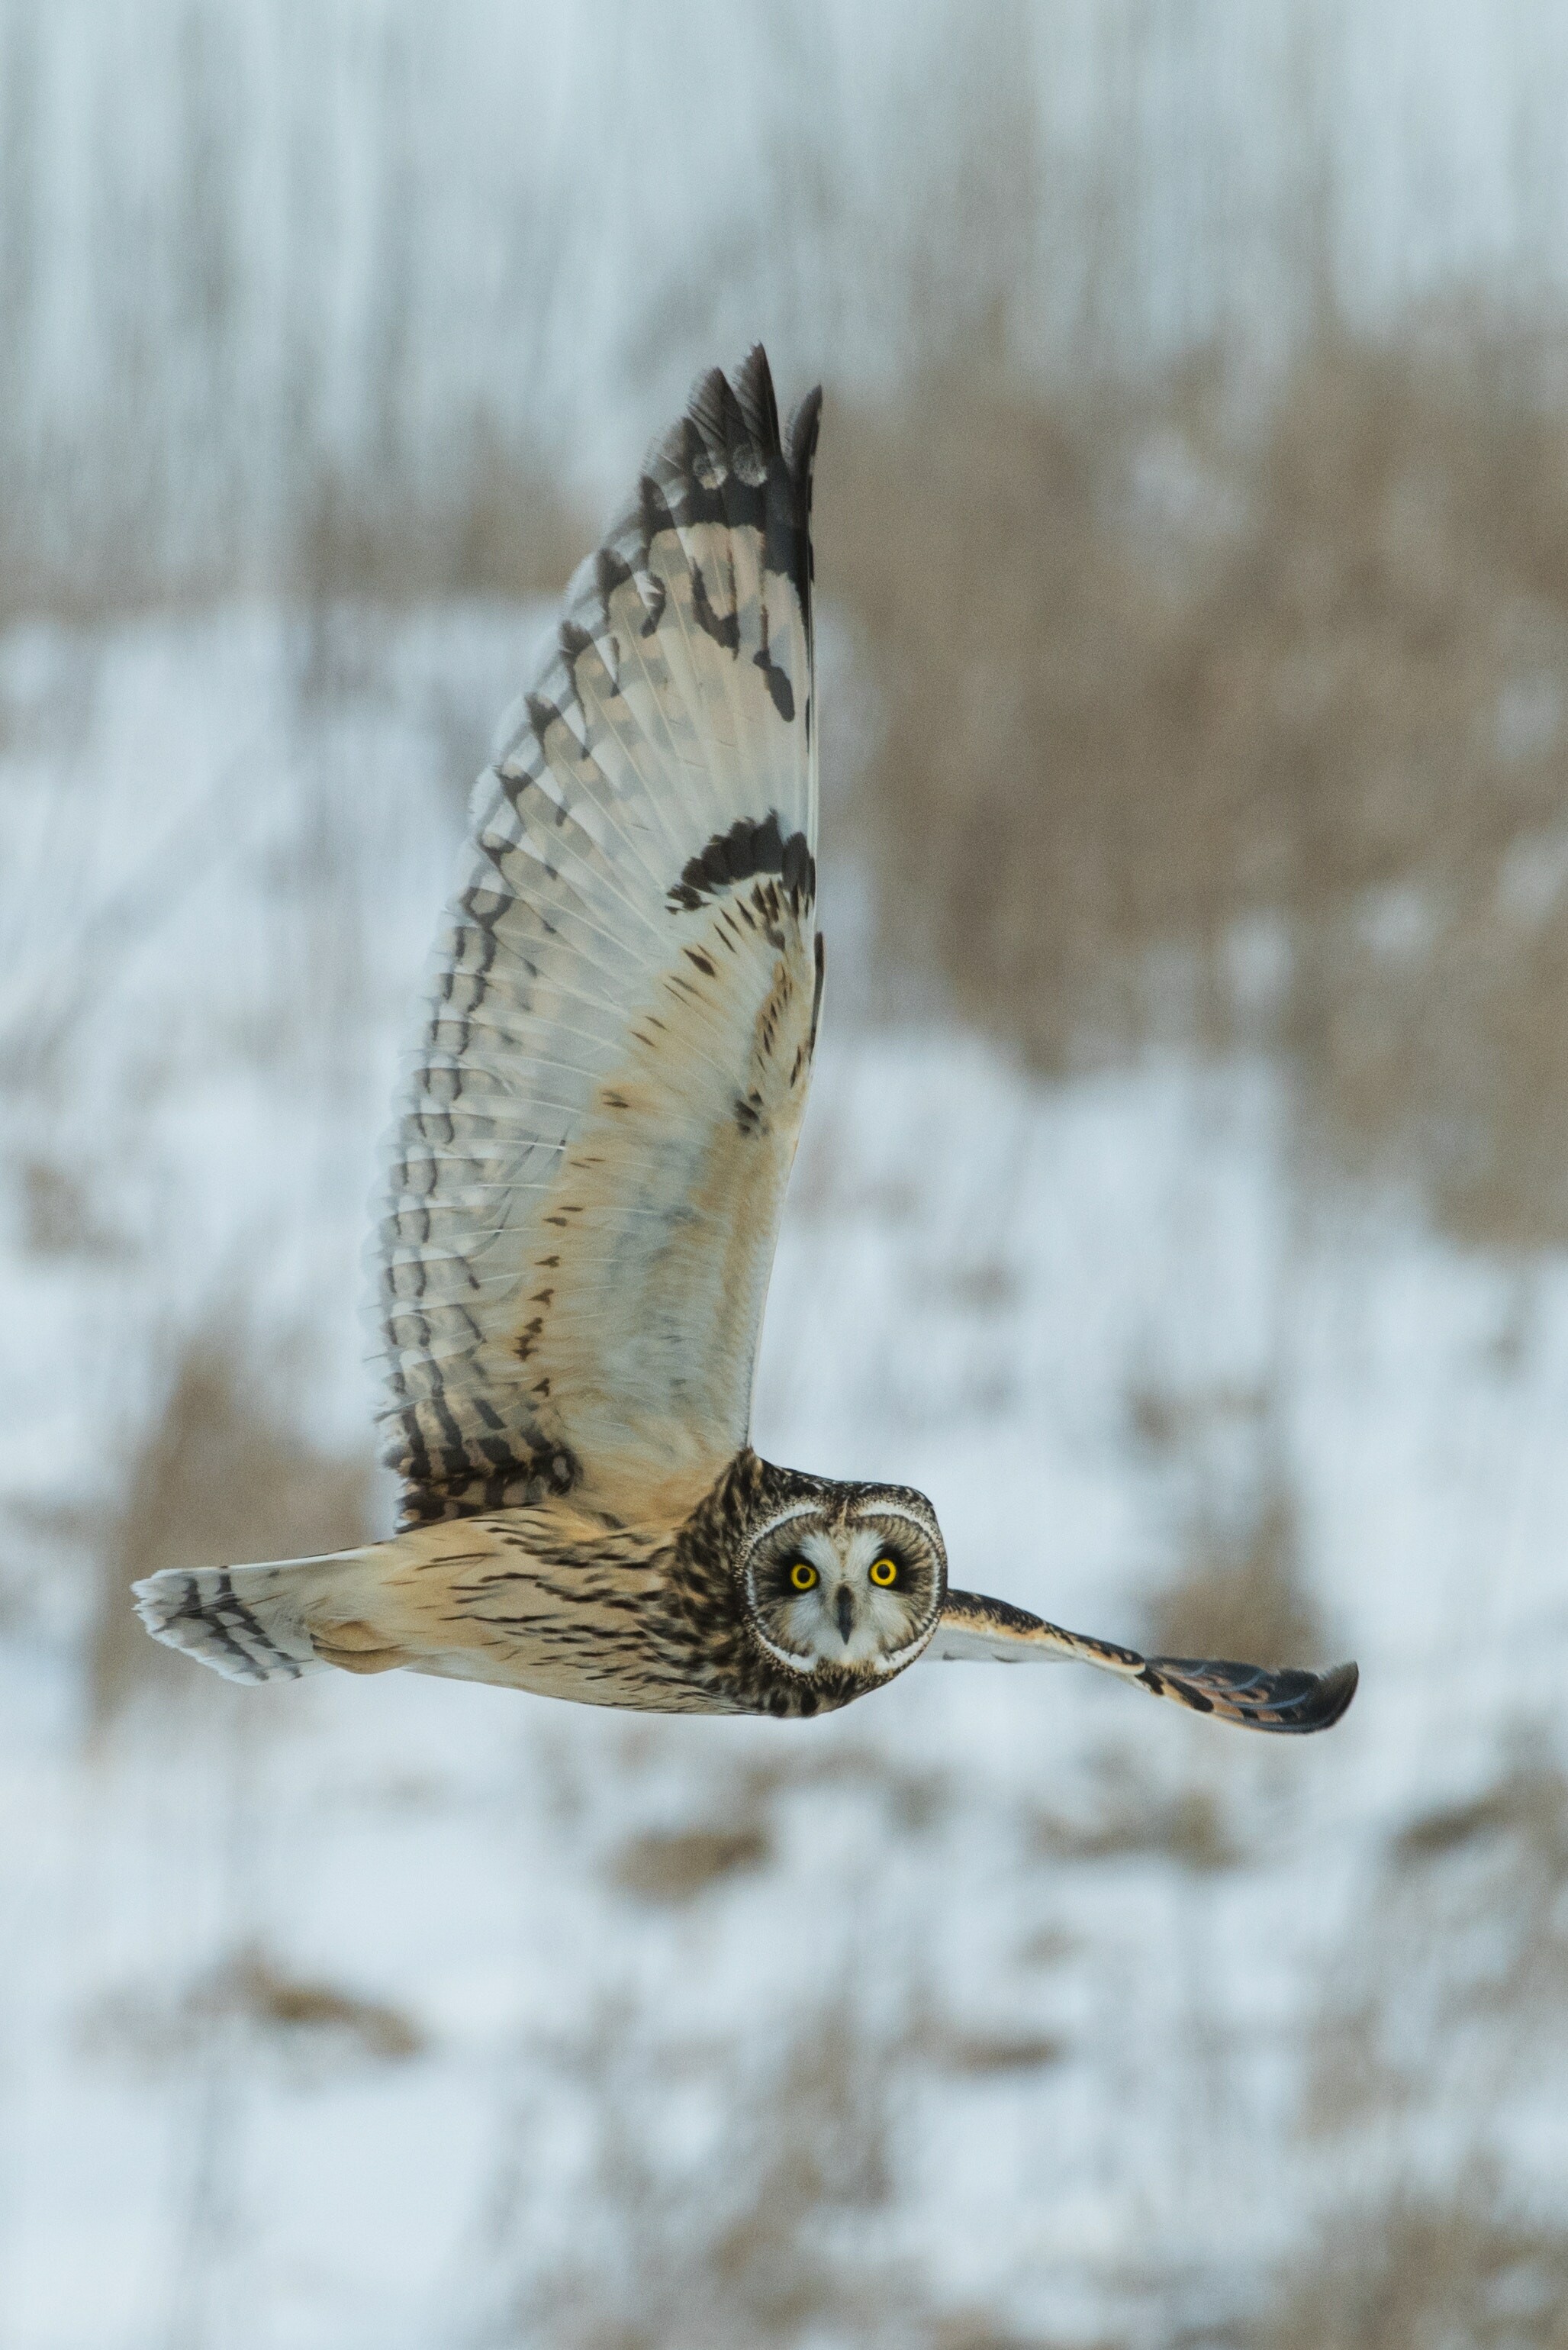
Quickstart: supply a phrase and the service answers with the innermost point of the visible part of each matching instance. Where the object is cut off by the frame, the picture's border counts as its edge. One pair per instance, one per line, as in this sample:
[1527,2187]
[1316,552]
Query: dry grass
[1489,1875]
[985,2055]
[775,2242]
[497,526]
[1241,1589]
[977,2331]
[1148,680]
[674,1866]
[738,1832]
[1134,1821]
[256,1989]
[1457,1970]
[1240,1593]
[311,2024]
[1464,2273]
[488,518]
[784,2231]
[220,1478]
[57,1216]
[1527,1809]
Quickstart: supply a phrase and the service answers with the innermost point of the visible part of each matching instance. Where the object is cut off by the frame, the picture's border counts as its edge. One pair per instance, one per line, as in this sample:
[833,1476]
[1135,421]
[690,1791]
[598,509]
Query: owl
[585,1178]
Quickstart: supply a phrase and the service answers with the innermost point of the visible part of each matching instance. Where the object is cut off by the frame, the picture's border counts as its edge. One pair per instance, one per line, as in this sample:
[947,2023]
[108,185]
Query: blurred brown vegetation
[219,1477]
[1465,2273]
[314,2025]
[1242,1588]
[785,2238]
[1241,732]
[504,528]
[1465,1975]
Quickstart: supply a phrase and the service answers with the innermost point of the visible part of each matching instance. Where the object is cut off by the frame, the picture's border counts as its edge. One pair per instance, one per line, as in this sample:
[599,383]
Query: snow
[1073,2044]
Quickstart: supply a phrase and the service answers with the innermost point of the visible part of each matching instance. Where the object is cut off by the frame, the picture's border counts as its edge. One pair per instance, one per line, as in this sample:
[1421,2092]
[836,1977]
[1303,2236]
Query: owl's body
[585,1178]
[653,1617]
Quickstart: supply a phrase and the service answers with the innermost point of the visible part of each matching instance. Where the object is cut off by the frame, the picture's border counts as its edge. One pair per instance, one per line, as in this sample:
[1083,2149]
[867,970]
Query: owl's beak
[844,1611]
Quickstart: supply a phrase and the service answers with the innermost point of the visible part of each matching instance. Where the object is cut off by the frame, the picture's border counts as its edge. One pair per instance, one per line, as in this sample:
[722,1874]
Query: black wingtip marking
[754,391]
[713,409]
[1290,1703]
[723,462]
[736,425]
[1331,1700]
[800,447]
[739,419]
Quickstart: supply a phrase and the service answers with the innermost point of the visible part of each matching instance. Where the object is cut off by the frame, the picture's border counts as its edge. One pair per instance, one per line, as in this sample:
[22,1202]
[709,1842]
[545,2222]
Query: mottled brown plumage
[585,1177]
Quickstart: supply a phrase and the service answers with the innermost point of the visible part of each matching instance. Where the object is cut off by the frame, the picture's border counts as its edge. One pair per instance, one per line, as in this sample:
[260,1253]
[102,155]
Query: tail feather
[247,1623]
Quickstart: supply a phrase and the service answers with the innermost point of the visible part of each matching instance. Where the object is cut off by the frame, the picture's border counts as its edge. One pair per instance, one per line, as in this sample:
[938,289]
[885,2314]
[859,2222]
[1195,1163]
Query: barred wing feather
[597,1125]
[975,1628]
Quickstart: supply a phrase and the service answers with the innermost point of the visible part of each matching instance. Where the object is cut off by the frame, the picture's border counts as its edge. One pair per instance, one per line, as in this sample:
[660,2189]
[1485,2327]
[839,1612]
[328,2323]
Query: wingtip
[716,415]
[1292,1704]
[1323,1699]
[753,383]
[743,405]
[1334,1691]
[800,447]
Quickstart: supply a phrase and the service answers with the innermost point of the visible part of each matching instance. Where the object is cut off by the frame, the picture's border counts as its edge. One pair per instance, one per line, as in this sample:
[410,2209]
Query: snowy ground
[1007,2008]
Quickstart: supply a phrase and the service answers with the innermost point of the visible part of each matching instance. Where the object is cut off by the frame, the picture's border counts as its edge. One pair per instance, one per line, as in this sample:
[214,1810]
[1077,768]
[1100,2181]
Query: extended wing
[974,1626]
[597,1121]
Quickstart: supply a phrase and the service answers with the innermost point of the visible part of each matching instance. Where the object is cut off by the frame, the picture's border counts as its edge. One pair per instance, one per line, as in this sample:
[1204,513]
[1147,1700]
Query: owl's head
[845,1580]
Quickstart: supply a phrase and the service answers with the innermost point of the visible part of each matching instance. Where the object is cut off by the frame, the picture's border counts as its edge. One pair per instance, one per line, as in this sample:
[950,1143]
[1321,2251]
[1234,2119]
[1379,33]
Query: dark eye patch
[905,1555]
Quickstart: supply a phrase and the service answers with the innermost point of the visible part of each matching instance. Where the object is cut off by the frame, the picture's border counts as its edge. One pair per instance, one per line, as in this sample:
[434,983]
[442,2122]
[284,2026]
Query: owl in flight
[585,1181]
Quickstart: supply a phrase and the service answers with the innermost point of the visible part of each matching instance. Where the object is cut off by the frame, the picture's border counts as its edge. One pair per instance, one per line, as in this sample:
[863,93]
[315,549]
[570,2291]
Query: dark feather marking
[246,1621]
[573,641]
[193,1610]
[724,628]
[746,852]
[611,571]
[781,692]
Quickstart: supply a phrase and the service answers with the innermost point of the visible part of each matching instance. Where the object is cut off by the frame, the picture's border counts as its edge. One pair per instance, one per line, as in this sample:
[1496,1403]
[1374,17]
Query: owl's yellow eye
[803,1574]
[884,1571]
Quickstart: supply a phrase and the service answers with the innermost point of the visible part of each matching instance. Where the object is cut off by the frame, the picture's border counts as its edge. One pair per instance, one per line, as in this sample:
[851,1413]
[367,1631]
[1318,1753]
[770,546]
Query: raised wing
[597,1122]
[972,1627]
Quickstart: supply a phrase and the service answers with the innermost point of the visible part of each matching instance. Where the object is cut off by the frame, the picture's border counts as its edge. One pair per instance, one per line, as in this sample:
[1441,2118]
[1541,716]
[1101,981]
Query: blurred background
[1183,1200]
